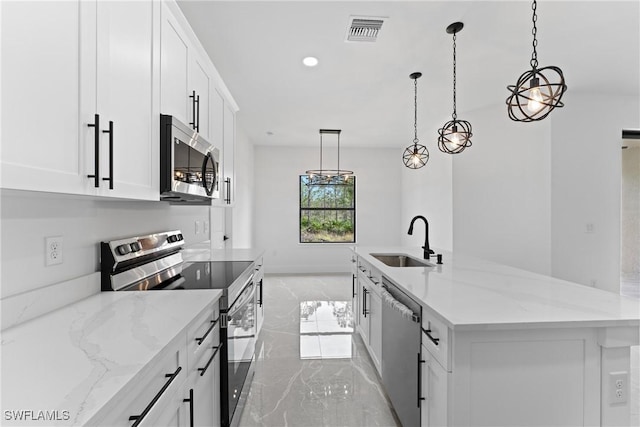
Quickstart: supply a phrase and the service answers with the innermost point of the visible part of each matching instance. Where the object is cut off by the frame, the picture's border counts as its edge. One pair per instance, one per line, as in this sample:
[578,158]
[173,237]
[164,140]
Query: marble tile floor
[311,369]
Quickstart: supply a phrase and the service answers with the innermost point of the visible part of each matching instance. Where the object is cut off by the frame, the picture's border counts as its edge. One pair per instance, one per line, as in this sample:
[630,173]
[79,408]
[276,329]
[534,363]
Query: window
[327,210]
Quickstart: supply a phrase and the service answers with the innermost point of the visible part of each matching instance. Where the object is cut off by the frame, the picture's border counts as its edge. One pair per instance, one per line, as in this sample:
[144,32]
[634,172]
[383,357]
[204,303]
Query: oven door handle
[246,295]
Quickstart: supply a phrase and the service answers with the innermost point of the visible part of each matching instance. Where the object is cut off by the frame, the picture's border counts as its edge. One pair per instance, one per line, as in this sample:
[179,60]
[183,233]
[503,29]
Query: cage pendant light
[329,176]
[416,155]
[537,91]
[456,134]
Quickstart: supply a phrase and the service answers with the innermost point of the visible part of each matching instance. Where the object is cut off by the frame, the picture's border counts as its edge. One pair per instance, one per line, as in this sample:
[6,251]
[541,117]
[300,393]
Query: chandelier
[329,176]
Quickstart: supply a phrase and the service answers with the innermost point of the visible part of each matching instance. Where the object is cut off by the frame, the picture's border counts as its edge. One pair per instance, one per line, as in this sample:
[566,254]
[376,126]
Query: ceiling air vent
[364,29]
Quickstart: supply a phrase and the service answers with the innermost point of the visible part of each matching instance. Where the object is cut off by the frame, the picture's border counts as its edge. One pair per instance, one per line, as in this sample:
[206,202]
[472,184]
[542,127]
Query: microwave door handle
[208,189]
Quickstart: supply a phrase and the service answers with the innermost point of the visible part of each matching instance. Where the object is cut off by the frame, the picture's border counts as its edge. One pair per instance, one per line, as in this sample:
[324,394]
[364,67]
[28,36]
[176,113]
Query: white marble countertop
[469,293]
[79,357]
[204,252]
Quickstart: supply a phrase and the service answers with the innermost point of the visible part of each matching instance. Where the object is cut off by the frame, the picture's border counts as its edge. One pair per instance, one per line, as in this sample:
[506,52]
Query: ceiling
[364,88]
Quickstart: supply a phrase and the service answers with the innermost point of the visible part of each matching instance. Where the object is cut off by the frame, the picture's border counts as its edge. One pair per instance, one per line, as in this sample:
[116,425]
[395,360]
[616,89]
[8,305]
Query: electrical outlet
[197,223]
[53,250]
[589,228]
[205,226]
[618,387]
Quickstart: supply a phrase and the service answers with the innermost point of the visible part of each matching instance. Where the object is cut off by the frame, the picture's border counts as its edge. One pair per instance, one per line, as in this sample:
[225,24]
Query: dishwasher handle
[405,311]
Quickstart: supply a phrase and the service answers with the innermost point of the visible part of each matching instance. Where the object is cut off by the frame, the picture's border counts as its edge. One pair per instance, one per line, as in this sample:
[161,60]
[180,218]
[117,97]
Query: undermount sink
[401,260]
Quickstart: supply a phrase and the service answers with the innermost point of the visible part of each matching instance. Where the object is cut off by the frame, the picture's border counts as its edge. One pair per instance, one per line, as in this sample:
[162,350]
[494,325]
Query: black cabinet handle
[428,333]
[96,141]
[353,285]
[228,183]
[260,295]
[213,356]
[110,132]
[190,400]
[420,362]
[213,325]
[138,418]
[197,101]
[193,111]
[364,301]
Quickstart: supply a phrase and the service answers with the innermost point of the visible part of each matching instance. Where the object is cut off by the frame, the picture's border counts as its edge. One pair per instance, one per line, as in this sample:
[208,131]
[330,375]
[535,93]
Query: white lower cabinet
[370,311]
[434,388]
[202,394]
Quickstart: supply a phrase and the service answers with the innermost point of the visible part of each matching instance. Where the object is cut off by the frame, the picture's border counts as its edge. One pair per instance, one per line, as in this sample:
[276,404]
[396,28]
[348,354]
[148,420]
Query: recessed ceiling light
[310,61]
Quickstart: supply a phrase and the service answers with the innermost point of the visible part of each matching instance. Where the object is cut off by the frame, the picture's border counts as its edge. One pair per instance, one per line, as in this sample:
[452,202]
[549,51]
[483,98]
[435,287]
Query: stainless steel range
[154,262]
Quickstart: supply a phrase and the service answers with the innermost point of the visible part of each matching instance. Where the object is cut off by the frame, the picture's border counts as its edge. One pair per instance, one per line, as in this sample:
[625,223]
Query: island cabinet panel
[434,389]
[543,377]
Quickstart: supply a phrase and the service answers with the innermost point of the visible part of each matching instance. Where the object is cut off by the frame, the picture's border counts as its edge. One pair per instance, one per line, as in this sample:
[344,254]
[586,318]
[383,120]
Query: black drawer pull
[96,143]
[428,333]
[213,325]
[213,356]
[138,418]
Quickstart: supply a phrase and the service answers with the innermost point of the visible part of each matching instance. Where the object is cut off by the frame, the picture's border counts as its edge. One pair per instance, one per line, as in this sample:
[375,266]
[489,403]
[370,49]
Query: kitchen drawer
[158,386]
[435,337]
[203,333]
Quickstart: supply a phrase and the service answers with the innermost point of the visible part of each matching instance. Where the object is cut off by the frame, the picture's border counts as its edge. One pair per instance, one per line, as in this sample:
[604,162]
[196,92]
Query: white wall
[501,191]
[428,192]
[276,205]
[586,173]
[630,215]
[242,211]
[26,218]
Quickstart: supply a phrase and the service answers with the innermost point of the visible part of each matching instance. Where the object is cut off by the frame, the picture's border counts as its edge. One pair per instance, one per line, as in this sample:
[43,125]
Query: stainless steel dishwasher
[401,352]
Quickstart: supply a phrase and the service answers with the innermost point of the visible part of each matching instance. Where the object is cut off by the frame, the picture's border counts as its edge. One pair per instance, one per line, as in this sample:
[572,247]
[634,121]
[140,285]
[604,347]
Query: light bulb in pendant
[535,100]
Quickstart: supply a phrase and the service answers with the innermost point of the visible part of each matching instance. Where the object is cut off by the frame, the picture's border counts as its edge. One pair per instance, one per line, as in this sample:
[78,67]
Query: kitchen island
[503,346]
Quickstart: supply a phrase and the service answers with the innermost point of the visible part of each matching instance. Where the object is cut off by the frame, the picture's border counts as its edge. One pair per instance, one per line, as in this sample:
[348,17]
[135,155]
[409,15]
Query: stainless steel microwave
[189,164]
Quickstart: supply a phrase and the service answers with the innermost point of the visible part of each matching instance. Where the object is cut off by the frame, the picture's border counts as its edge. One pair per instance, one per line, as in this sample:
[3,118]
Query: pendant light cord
[455,114]
[534,31]
[415,112]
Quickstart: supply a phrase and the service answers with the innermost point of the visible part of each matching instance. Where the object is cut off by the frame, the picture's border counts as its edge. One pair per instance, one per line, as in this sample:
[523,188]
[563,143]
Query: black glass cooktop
[212,274]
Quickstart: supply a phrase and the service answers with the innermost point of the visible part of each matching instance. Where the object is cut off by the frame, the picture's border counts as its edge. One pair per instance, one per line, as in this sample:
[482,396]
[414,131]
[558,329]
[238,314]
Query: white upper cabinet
[127,97]
[186,75]
[42,146]
[67,66]
[174,68]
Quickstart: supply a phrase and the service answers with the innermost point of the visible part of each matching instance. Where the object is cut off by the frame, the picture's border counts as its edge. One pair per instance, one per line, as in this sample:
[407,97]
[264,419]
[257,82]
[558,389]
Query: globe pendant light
[456,134]
[329,176]
[415,156]
[537,91]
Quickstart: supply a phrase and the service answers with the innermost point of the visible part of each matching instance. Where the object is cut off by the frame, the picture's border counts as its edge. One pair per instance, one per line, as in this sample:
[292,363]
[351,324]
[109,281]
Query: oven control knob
[179,237]
[123,249]
[172,239]
[135,246]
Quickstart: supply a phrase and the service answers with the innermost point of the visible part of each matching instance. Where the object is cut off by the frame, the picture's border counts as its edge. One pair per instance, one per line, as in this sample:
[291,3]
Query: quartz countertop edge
[468,293]
[80,357]
[203,251]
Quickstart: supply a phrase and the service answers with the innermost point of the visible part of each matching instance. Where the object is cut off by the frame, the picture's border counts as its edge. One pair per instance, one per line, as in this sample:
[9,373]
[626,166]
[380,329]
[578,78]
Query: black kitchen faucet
[427,250]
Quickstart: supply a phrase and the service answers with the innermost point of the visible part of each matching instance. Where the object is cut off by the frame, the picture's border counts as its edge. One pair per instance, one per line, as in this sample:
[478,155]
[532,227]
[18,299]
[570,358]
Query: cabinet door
[363,312]
[375,329]
[174,68]
[434,390]
[201,84]
[206,394]
[42,143]
[229,154]
[126,75]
